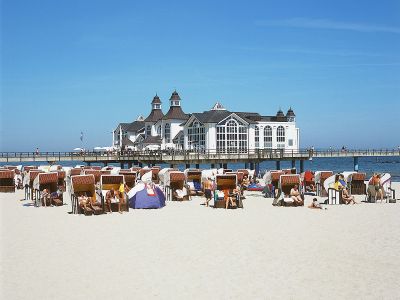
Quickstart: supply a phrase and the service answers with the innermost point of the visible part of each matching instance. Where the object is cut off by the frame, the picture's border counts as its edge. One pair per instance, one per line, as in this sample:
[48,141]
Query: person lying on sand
[315,204]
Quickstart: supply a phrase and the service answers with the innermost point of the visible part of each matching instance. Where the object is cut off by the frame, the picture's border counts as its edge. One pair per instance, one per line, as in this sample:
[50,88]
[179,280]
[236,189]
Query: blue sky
[68,66]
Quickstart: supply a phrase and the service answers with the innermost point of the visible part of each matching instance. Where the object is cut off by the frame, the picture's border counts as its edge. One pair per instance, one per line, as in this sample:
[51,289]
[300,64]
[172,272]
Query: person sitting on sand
[178,194]
[245,183]
[279,197]
[337,185]
[315,204]
[295,195]
[342,181]
[208,185]
[110,198]
[83,200]
[347,198]
[45,197]
[57,195]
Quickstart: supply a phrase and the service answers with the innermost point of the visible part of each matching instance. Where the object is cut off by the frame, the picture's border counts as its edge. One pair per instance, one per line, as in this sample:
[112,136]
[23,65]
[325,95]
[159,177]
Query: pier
[178,157]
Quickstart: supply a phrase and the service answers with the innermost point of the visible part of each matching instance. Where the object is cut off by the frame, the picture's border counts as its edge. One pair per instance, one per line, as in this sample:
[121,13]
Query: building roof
[135,126]
[156,100]
[216,116]
[154,116]
[127,142]
[176,113]
[218,106]
[124,126]
[273,119]
[175,140]
[152,140]
[175,96]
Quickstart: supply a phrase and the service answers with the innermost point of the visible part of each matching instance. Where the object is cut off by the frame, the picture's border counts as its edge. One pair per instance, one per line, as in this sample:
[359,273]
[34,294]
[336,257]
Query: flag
[81,136]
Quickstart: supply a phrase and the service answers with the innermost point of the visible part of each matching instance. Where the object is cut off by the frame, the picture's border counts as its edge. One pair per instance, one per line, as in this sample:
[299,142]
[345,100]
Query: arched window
[232,136]
[280,137]
[159,130]
[167,133]
[268,137]
[257,138]
[196,136]
[148,130]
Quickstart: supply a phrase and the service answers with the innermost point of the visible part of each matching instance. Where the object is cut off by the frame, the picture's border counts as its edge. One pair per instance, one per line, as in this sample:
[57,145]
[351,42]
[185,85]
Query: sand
[186,250]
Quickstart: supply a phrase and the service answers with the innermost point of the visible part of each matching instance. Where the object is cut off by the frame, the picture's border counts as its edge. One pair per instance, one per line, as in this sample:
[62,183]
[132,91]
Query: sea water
[368,165]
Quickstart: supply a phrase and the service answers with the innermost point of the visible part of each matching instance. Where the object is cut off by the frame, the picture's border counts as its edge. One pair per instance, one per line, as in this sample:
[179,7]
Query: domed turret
[290,115]
[280,113]
[175,99]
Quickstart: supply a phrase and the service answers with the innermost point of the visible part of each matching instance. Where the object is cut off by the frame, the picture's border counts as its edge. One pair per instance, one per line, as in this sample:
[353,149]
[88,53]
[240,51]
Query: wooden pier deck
[186,157]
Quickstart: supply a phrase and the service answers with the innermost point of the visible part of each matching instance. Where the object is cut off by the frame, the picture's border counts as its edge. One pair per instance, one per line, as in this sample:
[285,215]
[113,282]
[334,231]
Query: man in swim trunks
[110,195]
[207,190]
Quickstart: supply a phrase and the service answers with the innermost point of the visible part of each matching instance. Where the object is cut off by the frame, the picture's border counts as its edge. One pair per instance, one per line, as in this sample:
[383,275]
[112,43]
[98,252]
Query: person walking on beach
[208,186]
[37,151]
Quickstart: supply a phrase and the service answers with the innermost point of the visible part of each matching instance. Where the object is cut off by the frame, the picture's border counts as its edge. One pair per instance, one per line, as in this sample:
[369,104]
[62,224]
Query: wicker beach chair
[320,177]
[85,184]
[286,183]
[154,176]
[129,177]
[175,180]
[7,184]
[47,181]
[96,173]
[224,182]
[193,180]
[356,183]
[108,182]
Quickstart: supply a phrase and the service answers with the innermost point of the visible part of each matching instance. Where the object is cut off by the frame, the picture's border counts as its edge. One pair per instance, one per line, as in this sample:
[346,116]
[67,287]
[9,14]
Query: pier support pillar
[246,165]
[129,164]
[197,166]
[105,164]
[121,165]
[251,166]
[212,166]
[356,163]
[293,164]
[221,166]
[301,166]
[278,164]
[257,169]
[89,163]
[140,164]
[225,166]
[187,166]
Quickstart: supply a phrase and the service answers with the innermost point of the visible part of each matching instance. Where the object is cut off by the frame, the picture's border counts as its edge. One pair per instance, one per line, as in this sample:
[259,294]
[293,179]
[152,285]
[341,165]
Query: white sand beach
[186,250]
